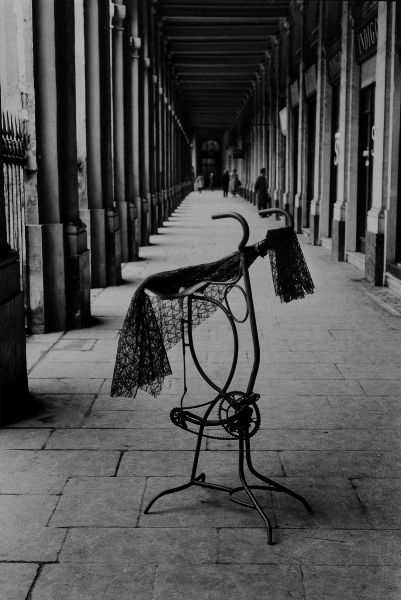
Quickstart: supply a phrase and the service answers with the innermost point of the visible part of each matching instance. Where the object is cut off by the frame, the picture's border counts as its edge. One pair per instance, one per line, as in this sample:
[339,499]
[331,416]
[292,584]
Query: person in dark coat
[225,180]
[263,199]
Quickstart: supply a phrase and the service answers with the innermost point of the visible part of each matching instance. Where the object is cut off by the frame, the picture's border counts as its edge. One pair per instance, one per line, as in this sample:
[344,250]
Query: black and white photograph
[200,300]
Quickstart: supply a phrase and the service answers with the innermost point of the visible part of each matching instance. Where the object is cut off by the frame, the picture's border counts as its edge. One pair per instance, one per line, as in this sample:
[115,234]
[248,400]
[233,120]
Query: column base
[123,218]
[78,277]
[13,375]
[113,247]
[46,277]
[338,240]
[133,246]
[298,213]
[95,221]
[314,229]
[145,222]
[154,215]
[374,257]
[286,202]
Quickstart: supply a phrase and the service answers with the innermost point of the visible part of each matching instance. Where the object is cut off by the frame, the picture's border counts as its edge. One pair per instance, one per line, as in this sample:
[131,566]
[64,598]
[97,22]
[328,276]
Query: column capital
[118,15]
[135,44]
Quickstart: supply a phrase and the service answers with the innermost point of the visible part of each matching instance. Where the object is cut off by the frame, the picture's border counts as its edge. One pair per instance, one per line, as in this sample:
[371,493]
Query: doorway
[365,162]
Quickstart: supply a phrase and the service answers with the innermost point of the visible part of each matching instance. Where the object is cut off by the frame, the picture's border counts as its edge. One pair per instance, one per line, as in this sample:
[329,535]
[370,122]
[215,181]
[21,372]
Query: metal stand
[237,412]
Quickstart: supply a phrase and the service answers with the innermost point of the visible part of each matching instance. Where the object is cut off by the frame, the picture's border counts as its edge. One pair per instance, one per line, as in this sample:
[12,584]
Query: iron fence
[14,151]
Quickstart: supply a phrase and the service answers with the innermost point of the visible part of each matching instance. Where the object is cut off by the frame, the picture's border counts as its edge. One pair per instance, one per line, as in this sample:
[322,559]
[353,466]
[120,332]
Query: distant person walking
[234,183]
[199,183]
[211,182]
[225,180]
[263,199]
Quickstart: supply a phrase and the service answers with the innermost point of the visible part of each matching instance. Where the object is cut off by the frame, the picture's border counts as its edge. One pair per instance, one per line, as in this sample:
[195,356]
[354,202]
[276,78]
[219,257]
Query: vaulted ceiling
[217,47]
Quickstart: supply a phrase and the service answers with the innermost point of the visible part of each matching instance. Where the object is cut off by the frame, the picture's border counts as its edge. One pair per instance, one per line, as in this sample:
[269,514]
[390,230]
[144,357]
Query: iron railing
[14,151]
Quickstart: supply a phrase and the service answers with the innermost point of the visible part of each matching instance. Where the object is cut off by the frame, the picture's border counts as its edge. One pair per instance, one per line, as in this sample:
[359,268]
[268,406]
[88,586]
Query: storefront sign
[310,81]
[366,39]
[334,67]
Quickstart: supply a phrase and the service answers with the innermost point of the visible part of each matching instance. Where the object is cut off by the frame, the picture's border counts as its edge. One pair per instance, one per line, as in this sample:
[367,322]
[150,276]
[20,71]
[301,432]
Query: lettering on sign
[366,39]
[334,67]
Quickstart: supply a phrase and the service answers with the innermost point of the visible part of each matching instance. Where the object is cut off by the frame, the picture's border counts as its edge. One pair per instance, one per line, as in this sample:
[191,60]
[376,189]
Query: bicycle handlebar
[244,224]
[289,221]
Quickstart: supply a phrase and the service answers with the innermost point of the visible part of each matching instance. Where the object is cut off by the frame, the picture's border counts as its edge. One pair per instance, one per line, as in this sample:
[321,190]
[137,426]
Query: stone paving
[76,474]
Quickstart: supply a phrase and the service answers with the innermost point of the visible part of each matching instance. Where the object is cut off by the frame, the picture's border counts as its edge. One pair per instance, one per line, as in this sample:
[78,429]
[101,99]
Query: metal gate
[14,151]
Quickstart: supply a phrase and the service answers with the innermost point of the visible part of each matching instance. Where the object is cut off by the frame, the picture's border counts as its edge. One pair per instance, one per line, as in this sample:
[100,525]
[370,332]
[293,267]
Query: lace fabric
[153,323]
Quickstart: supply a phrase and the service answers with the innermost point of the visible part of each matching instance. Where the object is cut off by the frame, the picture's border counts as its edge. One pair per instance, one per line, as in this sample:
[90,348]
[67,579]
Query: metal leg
[169,491]
[250,493]
[276,486]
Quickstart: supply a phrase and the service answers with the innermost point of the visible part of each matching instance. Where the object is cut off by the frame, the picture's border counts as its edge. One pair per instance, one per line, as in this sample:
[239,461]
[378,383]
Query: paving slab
[25,536]
[16,580]
[57,410]
[23,439]
[349,583]
[135,546]
[225,582]
[46,471]
[311,547]
[94,582]
[173,463]
[381,501]
[99,501]
[333,501]
[127,439]
[65,386]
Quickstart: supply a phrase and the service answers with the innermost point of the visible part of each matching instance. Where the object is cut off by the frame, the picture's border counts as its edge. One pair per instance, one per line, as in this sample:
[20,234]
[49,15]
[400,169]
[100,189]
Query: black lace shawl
[153,324]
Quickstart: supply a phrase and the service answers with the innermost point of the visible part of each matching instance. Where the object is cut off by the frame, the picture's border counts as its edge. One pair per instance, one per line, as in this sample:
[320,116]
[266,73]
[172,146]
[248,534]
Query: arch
[210,146]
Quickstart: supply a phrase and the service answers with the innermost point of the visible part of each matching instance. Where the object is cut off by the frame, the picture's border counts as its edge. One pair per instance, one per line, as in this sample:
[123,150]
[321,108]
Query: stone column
[144,127]
[153,81]
[113,245]
[384,128]
[263,130]
[300,196]
[120,199]
[348,145]
[45,240]
[320,136]
[96,217]
[277,191]
[13,375]
[159,109]
[272,135]
[393,190]
[77,255]
[288,195]
[135,202]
